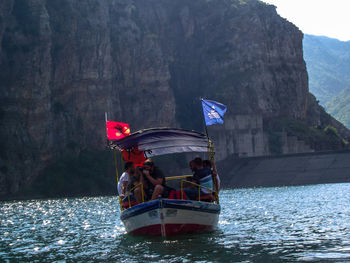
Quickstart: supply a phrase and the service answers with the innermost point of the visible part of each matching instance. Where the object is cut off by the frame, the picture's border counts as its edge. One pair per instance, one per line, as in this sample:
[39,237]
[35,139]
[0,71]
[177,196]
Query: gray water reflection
[288,224]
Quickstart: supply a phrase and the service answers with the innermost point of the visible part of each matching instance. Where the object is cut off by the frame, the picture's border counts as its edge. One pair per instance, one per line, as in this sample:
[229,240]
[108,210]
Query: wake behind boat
[189,207]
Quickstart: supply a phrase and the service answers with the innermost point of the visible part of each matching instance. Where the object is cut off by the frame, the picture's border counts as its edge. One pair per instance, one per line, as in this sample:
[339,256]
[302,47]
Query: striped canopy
[159,141]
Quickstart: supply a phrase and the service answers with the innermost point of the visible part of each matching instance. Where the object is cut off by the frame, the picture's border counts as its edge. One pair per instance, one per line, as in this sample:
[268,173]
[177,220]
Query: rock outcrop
[64,63]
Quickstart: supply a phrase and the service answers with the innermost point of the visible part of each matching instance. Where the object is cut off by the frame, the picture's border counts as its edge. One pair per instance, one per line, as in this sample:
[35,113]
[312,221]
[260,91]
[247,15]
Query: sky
[329,18]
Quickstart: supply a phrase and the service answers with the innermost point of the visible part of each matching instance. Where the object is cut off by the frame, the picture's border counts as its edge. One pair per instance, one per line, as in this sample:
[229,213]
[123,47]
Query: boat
[176,214]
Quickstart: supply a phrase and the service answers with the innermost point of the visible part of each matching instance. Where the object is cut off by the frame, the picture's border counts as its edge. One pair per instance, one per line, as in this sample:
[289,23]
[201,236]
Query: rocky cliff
[64,63]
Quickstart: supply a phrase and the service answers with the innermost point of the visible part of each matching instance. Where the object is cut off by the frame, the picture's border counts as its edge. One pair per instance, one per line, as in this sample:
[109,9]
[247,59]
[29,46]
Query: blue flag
[213,112]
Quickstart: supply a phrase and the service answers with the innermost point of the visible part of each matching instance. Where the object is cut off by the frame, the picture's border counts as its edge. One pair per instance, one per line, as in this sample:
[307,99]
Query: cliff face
[63,63]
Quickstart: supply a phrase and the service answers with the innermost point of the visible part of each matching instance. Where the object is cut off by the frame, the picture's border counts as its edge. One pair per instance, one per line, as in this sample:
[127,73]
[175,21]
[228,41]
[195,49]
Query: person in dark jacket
[201,176]
[154,181]
[199,170]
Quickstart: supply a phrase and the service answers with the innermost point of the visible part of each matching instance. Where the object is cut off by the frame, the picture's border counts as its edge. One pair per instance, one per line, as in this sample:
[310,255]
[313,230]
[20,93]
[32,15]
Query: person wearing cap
[154,181]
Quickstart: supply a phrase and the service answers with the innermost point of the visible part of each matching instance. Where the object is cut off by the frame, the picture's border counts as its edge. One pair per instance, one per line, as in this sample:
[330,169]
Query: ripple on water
[308,223]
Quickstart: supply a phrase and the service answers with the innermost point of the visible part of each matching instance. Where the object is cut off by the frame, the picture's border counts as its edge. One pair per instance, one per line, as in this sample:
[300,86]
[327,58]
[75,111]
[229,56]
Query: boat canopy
[159,141]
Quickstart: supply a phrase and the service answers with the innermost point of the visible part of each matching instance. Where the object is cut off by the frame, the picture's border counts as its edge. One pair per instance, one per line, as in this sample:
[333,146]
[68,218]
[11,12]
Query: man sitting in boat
[201,176]
[153,181]
[124,179]
[192,166]
[134,181]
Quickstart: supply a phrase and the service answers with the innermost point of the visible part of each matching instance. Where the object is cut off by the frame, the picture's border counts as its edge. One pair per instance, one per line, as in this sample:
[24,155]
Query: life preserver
[135,156]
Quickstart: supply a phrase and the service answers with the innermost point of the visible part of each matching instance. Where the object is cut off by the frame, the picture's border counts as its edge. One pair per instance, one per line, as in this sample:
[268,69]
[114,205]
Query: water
[288,224]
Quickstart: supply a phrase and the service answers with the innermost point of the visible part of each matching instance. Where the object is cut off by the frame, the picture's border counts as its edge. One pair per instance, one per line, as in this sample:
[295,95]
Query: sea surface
[284,224]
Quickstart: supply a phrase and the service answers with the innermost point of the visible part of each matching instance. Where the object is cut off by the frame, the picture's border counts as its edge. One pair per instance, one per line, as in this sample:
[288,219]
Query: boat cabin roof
[159,141]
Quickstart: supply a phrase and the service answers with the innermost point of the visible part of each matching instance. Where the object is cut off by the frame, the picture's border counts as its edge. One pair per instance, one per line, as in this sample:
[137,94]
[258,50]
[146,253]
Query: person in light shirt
[124,179]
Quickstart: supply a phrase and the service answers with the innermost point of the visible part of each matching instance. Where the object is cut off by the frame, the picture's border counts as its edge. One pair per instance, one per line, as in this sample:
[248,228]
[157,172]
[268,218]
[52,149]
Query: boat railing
[195,184]
[170,178]
[132,189]
[182,182]
[192,183]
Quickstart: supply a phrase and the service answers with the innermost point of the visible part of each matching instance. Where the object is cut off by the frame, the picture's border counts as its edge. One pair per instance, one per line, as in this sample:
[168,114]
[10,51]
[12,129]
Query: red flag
[117,130]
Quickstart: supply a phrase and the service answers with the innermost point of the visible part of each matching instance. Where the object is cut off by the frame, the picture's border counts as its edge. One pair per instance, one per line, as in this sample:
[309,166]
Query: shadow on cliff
[91,173]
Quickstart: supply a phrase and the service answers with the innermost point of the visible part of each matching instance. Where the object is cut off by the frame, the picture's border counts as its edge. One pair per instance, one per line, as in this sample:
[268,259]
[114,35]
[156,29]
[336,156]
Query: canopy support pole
[117,174]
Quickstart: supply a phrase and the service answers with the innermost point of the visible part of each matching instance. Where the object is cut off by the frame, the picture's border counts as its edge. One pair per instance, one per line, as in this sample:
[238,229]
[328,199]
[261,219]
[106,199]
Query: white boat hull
[166,217]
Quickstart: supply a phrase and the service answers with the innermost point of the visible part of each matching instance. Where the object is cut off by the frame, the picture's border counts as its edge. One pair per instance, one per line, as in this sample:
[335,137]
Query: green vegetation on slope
[339,107]
[328,66]
[319,138]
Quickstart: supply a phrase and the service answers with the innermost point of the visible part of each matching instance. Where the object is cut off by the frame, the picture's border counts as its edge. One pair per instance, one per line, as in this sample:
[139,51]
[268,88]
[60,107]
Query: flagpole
[106,120]
[205,126]
[211,158]
[206,130]
[115,164]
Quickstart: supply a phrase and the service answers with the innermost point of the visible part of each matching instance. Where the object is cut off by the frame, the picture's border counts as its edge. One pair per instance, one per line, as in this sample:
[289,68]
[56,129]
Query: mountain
[328,66]
[64,63]
[339,106]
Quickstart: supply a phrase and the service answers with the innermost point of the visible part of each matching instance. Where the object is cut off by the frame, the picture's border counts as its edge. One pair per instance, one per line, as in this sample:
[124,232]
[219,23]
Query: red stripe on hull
[172,229]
